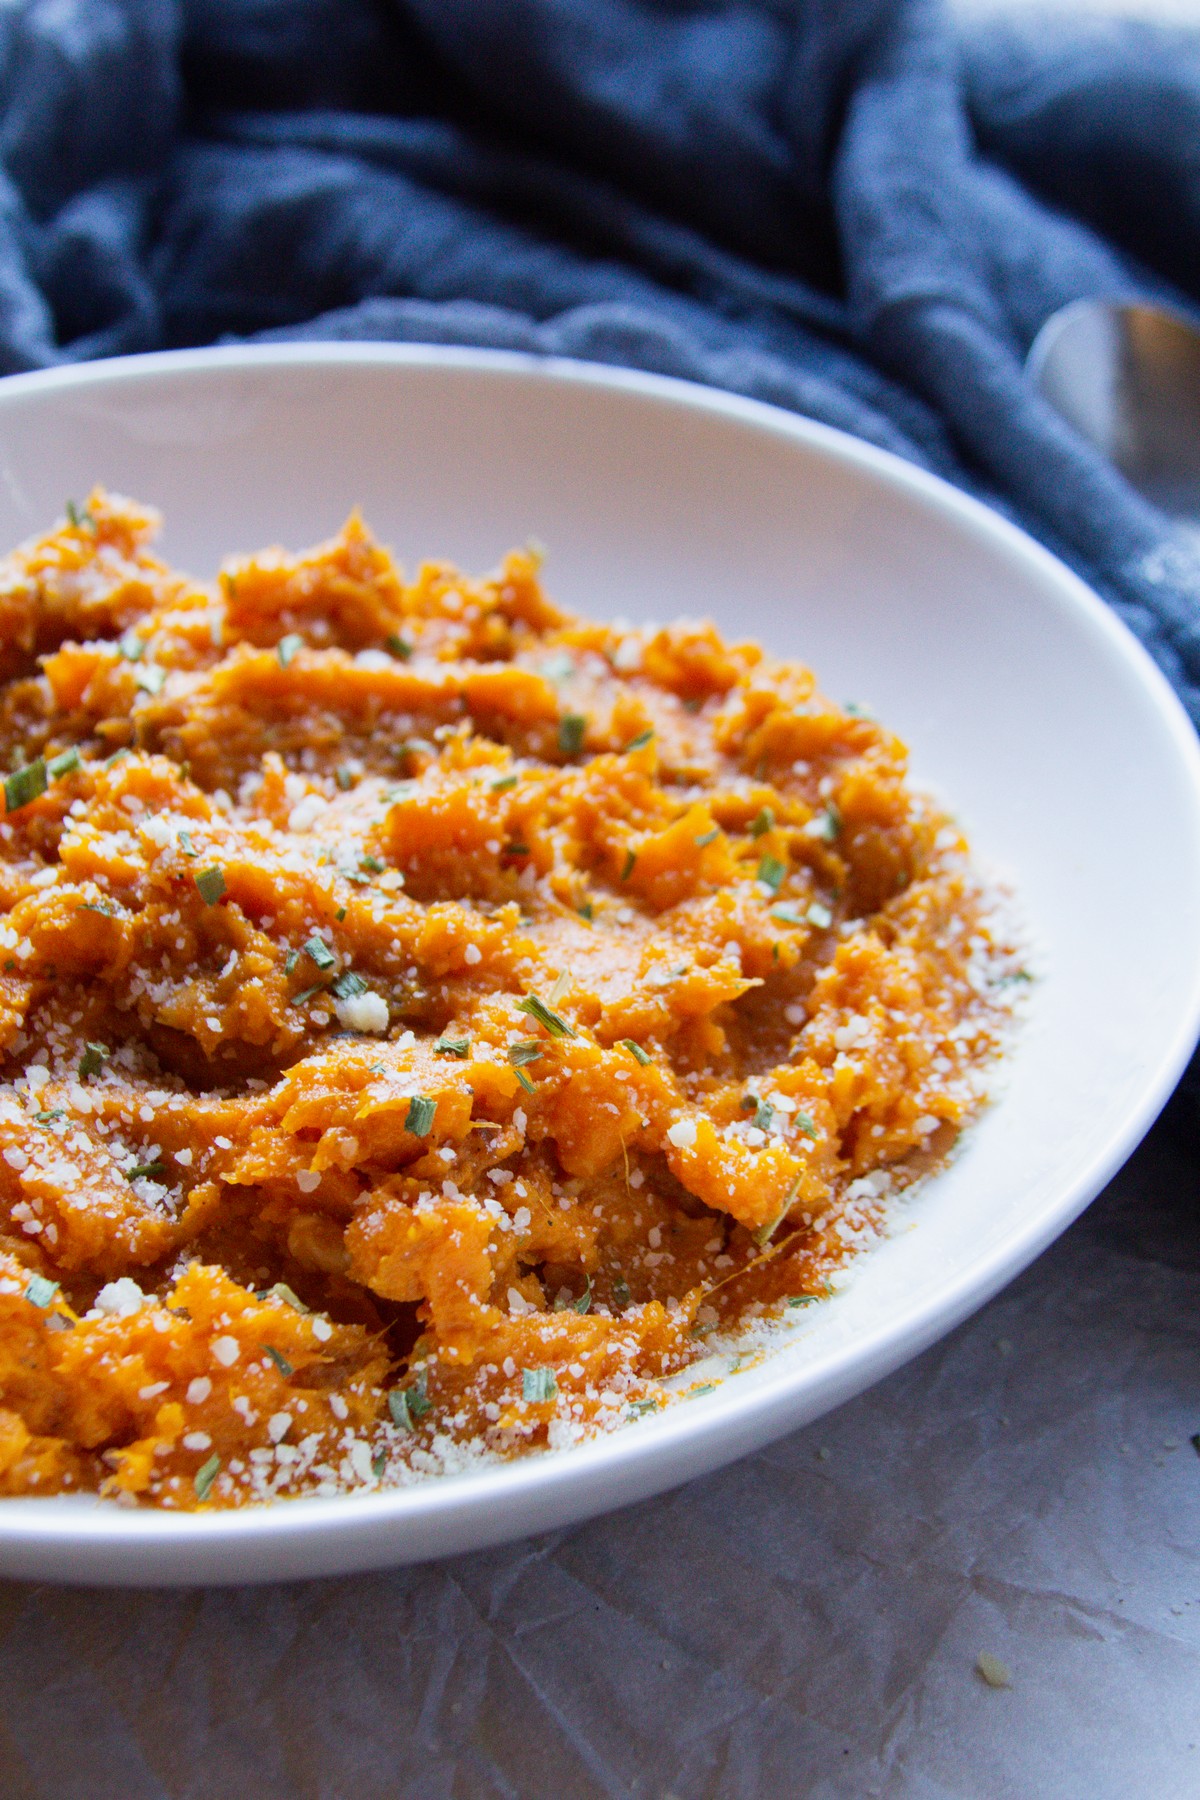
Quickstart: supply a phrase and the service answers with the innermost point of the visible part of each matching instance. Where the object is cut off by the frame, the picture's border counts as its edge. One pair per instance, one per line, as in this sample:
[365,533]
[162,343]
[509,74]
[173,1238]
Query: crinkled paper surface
[804,1623]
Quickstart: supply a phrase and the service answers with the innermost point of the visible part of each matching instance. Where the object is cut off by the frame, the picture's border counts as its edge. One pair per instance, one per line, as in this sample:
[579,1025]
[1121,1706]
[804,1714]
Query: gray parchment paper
[805,1623]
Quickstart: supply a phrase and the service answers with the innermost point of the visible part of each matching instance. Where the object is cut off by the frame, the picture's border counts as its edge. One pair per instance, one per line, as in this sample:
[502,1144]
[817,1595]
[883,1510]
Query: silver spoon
[1128,379]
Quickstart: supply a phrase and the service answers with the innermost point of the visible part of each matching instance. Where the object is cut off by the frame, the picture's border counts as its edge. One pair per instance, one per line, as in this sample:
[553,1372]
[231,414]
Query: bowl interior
[1026,706]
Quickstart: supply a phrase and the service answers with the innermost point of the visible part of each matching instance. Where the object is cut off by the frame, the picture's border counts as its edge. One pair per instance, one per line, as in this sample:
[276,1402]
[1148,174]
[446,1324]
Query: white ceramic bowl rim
[489,1505]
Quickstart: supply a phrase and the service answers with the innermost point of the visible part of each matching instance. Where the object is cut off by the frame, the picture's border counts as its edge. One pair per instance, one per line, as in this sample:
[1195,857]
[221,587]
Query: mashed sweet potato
[428,1017]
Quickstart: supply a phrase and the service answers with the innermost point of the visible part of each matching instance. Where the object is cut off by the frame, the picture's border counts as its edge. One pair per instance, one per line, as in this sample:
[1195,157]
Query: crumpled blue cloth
[857,209]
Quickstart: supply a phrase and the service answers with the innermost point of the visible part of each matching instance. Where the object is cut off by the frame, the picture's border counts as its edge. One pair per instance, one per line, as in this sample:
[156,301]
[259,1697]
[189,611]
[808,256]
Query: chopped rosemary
[210,884]
[340,914]
[771,872]
[281,1291]
[527,1050]
[372,865]
[186,844]
[287,647]
[708,837]
[205,1475]
[307,993]
[399,1409]
[97,906]
[505,782]
[320,953]
[40,1290]
[48,1118]
[586,910]
[460,1047]
[408,1405]
[571,730]
[279,1359]
[79,516]
[762,822]
[636,1051]
[399,646]
[641,740]
[524,1080]
[24,785]
[787,915]
[64,764]
[825,825]
[348,985]
[538,1386]
[140,1169]
[621,1291]
[290,961]
[93,1059]
[419,1118]
[345,778]
[805,1122]
[630,864]
[378,1463]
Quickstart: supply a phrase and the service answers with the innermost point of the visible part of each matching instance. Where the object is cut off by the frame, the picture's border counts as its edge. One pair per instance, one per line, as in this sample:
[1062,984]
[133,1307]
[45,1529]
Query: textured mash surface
[427,1017]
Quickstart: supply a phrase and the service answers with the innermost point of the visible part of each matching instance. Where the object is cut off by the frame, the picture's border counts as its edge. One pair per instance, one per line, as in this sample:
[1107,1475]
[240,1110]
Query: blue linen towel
[858,209]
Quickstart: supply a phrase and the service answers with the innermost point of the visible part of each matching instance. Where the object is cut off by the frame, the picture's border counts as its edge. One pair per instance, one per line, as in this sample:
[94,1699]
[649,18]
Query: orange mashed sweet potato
[429,1019]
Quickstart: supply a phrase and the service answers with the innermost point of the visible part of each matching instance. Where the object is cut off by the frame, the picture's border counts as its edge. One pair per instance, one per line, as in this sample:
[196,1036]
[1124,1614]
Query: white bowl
[1025,702]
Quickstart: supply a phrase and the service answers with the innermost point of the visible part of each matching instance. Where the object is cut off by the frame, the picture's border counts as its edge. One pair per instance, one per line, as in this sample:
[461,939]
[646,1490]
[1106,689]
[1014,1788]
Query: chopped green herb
[706,1387]
[131,646]
[527,1050]
[771,872]
[571,730]
[287,647]
[210,884]
[399,1409]
[307,993]
[372,865]
[460,1047]
[819,915]
[621,1291]
[340,914]
[524,1080]
[587,910]
[630,864]
[348,985]
[97,906]
[48,1118]
[538,1386]
[344,778]
[281,1291]
[140,1169]
[65,763]
[636,1051]
[150,678]
[708,837]
[40,1290]
[319,951]
[857,710]
[419,1402]
[279,1359]
[93,1059]
[639,1408]
[186,844]
[73,514]
[763,1113]
[24,785]
[787,915]
[504,784]
[762,822]
[584,1302]
[515,850]
[803,1299]
[765,1233]
[378,1463]
[399,646]
[805,1122]
[205,1475]
[546,1017]
[419,1118]
[290,961]
[825,825]
[641,740]
[111,761]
